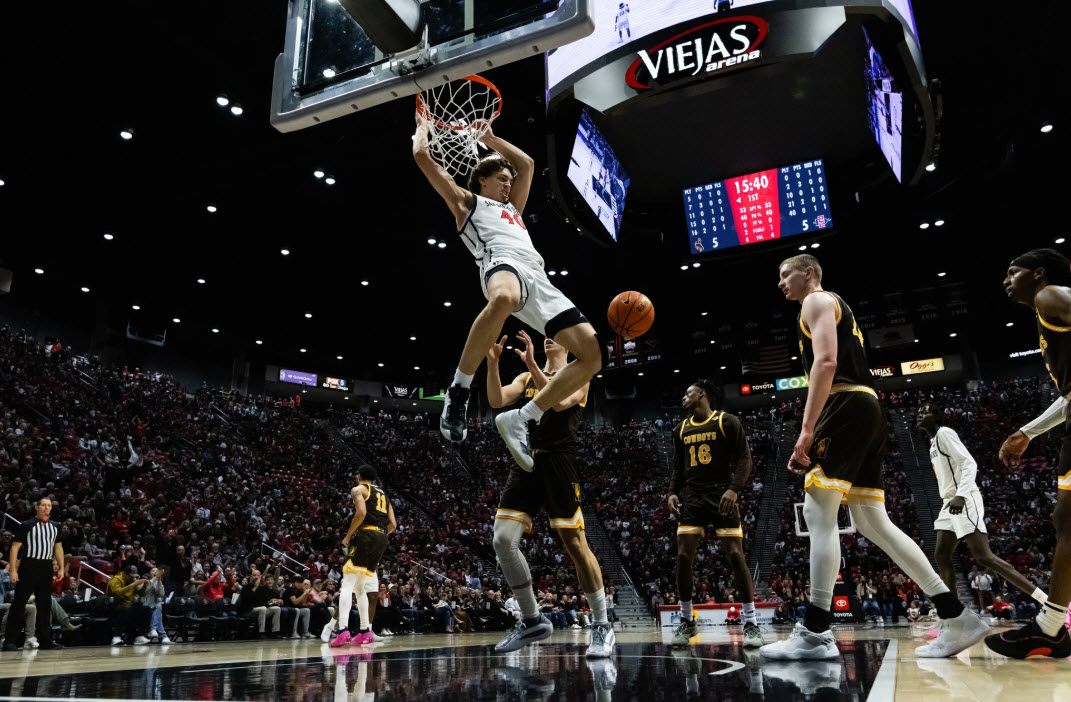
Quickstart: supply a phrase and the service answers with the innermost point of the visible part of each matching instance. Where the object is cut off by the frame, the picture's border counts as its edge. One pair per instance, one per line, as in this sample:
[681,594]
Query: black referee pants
[35,578]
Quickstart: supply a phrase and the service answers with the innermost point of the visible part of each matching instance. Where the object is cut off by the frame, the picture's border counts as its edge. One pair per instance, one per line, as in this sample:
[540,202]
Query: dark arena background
[226,286]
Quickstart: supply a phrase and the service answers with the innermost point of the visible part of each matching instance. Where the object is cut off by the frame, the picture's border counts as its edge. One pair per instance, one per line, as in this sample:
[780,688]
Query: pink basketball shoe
[344,638]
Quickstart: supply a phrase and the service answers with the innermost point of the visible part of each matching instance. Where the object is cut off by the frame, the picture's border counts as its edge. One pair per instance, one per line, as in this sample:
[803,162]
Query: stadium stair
[630,609]
[776,484]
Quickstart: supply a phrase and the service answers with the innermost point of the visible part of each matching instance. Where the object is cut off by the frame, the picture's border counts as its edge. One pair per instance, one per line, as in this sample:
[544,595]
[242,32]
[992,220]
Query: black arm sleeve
[741,453]
[676,480]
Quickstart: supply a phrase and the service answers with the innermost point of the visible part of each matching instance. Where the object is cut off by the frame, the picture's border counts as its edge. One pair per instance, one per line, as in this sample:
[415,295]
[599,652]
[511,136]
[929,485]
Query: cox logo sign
[796,383]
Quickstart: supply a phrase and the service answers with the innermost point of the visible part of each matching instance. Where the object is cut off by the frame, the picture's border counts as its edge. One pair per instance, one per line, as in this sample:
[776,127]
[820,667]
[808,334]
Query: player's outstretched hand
[495,352]
[528,355]
[1013,448]
[675,504]
[728,502]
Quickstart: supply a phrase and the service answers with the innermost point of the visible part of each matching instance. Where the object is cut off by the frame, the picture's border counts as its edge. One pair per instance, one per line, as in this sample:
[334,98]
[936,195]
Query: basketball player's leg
[581,341]
[687,543]
[733,548]
[978,543]
[942,556]
[588,571]
[342,634]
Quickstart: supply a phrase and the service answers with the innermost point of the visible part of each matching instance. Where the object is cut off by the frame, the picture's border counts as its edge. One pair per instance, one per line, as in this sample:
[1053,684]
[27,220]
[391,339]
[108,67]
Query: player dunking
[365,541]
[963,516]
[488,217]
[840,447]
[555,484]
[711,464]
[1041,280]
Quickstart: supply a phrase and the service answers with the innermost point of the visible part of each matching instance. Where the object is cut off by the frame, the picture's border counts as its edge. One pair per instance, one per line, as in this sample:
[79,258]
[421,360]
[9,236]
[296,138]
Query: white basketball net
[458,115]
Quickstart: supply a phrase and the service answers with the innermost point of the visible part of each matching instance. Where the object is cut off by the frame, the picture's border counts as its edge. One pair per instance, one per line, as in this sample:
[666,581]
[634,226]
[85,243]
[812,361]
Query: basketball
[631,314]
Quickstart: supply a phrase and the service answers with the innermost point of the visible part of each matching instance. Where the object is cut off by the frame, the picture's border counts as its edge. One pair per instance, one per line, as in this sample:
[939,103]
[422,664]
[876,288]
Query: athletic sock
[463,379]
[686,609]
[597,602]
[749,613]
[1051,618]
[817,619]
[531,412]
[1039,596]
[526,599]
[946,604]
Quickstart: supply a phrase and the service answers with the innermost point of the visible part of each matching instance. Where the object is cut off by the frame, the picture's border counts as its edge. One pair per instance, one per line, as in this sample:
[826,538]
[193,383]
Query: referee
[33,575]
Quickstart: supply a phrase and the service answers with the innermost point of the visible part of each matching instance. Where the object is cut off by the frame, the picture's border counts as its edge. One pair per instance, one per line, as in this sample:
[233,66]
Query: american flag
[767,360]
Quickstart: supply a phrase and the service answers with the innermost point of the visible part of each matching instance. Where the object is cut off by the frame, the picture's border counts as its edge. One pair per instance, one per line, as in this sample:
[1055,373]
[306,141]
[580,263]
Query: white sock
[749,613]
[463,379]
[1051,618]
[531,412]
[597,602]
[1039,596]
[345,599]
[686,609]
[362,603]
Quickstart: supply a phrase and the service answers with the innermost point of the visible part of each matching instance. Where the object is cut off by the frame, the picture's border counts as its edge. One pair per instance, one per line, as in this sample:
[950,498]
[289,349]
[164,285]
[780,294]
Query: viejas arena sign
[709,48]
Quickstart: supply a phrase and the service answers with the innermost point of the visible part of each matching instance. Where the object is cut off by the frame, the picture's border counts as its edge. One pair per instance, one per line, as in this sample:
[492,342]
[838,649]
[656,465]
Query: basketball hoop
[459,114]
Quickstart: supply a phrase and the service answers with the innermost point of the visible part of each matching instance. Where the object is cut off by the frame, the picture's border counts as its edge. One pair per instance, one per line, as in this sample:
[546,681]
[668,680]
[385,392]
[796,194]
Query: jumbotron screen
[758,207]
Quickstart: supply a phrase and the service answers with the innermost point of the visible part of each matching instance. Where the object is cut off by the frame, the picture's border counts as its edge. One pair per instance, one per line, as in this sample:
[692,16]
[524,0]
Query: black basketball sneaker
[453,422]
[1030,640]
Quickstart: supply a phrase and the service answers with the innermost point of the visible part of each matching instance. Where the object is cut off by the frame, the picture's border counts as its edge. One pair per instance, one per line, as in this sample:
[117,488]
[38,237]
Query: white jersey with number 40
[495,230]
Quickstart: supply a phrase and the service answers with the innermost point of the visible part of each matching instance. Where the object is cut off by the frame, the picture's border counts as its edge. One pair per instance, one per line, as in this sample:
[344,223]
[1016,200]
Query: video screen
[597,174]
[885,107]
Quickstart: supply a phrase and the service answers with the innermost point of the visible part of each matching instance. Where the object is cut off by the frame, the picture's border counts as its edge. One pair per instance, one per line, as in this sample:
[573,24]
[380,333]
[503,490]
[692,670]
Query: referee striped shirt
[38,539]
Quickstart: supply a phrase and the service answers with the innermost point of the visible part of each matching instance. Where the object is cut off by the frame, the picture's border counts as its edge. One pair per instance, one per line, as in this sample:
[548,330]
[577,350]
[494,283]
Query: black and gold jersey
[709,455]
[852,366]
[377,507]
[555,431]
[1056,351]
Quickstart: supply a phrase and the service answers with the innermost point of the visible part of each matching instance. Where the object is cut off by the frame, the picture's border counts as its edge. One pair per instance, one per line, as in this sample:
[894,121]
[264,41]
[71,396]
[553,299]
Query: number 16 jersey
[495,230]
[709,456]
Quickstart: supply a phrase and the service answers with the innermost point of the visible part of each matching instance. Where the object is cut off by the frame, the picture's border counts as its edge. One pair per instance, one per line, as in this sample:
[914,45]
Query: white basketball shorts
[970,520]
[542,307]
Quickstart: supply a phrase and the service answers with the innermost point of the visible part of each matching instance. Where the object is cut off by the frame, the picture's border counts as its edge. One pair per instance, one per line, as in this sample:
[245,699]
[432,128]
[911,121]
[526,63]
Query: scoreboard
[758,207]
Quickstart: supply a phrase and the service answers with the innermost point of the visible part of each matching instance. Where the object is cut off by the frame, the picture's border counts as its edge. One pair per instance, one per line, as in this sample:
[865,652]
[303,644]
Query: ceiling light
[939,223]
[1,183]
[712,341]
[1010,324]
[308,315]
[552,272]
[329,73]
[916,341]
[703,314]
[39,271]
[675,370]
[639,374]
[176,320]
[803,248]
[339,357]
[509,348]
[364,282]
[599,375]
[941,275]
[212,208]
[447,303]
[85,289]
[1060,240]
[432,241]
[236,109]
[127,134]
[924,225]
[136,307]
[1046,128]
[795,357]
[815,246]
[723,367]
[442,244]
[259,342]
[318,173]
[953,335]
[380,365]
[416,367]
[302,350]
[223,101]
[414,404]
[109,237]
[931,167]
[201,281]
[285,252]
[565,272]
[330,180]
[684,268]
[412,338]
[695,265]
[215,331]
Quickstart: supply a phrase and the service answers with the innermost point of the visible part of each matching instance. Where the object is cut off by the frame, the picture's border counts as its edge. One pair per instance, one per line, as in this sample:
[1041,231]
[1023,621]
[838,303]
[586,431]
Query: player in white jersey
[963,517]
[489,222]
[621,22]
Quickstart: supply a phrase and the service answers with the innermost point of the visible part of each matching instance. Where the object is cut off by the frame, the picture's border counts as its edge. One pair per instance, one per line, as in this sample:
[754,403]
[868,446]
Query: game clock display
[758,207]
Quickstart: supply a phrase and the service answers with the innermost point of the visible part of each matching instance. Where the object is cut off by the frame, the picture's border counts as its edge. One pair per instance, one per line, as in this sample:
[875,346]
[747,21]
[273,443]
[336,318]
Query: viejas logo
[708,48]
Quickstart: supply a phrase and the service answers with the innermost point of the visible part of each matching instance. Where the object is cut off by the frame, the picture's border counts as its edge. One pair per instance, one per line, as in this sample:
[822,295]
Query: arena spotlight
[201,281]
[447,303]
[127,134]
[109,236]
[1046,128]
[135,307]
[364,283]
[552,272]
[564,272]
[442,244]
[1,183]
[308,315]
[640,375]
[339,357]
[285,252]
[432,241]
[380,365]
[330,180]
[223,100]
[684,268]
[803,248]
[703,314]
[318,173]
[212,208]
[952,335]
[416,367]
[599,375]
[259,342]
[795,357]
[303,350]
[723,367]
[176,320]
[931,167]
[85,289]
[815,245]
[1060,240]
[942,274]
[1010,324]
[924,225]
[695,265]
[39,271]
[676,370]
[412,338]
[939,223]
[215,331]
[236,109]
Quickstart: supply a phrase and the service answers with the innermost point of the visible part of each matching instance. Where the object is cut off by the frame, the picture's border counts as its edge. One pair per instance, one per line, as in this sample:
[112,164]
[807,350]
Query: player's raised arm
[456,198]
[497,395]
[522,183]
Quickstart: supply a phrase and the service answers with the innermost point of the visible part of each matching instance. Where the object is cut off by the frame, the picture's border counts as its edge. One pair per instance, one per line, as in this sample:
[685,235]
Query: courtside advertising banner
[710,615]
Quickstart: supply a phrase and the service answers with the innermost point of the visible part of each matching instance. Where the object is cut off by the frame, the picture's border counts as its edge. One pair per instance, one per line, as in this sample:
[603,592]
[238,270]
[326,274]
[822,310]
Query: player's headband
[1057,267]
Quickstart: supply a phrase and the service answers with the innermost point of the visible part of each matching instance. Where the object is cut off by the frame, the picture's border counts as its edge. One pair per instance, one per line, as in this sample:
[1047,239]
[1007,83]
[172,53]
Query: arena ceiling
[78,80]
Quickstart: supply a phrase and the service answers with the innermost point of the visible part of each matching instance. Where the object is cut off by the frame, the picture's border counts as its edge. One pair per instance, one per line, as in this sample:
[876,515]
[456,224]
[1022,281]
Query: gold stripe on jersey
[738,532]
[867,494]
[1052,327]
[574,522]
[683,529]
[803,325]
[848,387]
[1065,481]
[816,478]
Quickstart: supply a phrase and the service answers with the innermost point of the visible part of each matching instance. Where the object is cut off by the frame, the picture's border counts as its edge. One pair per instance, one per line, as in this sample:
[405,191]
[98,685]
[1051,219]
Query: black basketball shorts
[700,510]
[849,444]
[554,483]
[366,550]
